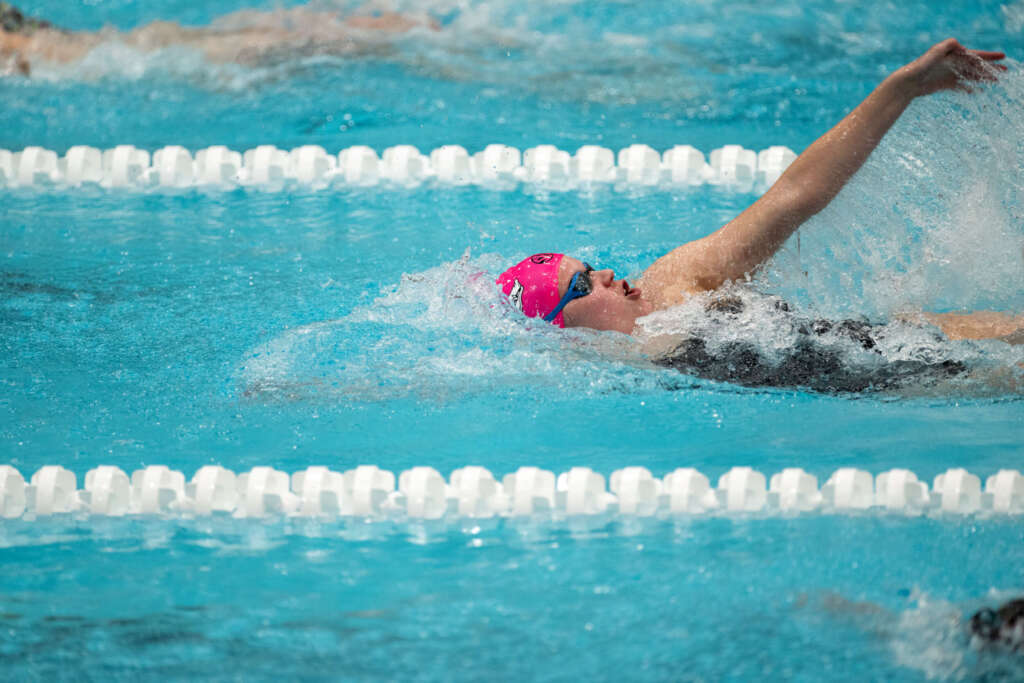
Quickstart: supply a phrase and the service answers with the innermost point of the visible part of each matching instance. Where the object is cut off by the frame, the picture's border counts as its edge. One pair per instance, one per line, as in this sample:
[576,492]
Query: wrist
[904,82]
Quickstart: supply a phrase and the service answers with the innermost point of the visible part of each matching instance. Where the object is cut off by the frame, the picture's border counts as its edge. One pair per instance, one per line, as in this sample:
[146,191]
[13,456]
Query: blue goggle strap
[569,295]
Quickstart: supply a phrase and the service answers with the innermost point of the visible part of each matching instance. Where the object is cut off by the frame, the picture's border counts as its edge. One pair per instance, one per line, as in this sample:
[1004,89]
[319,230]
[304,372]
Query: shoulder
[671,279]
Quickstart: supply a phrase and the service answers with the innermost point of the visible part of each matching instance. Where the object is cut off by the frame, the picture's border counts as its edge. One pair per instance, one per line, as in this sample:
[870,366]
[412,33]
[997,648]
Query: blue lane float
[496,166]
[371,493]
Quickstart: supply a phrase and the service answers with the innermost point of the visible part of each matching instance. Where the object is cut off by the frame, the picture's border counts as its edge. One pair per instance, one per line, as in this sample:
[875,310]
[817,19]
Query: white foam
[931,222]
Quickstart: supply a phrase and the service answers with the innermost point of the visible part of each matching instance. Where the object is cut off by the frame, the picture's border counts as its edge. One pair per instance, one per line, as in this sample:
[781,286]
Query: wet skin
[611,305]
[616,305]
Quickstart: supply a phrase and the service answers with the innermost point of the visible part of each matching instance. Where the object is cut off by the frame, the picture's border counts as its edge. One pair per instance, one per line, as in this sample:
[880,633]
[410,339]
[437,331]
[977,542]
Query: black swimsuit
[1002,627]
[812,361]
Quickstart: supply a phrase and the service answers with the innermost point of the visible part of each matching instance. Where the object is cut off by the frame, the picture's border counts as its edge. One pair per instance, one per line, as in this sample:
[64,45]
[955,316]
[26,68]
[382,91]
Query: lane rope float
[496,166]
[473,492]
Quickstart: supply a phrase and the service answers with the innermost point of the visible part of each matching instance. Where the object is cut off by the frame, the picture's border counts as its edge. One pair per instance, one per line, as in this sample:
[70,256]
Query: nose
[605,277]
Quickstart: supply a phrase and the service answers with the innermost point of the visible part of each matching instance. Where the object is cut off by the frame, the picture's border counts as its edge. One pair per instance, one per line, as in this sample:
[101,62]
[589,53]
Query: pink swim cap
[532,286]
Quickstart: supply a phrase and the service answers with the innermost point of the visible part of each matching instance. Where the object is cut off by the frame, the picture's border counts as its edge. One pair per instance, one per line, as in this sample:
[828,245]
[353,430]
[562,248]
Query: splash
[604,53]
[934,220]
[116,60]
[739,334]
[932,638]
[235,52]
[442,334]
[447,333]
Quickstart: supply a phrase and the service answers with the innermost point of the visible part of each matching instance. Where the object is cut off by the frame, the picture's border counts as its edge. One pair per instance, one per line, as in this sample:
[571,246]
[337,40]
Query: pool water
[346,326]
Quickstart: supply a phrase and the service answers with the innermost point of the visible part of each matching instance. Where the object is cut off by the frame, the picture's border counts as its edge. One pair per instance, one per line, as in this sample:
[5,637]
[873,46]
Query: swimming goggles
[579,286]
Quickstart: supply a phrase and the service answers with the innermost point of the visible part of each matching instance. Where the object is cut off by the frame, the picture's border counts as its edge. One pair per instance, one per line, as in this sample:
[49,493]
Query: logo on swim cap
[541,259]
[516,295]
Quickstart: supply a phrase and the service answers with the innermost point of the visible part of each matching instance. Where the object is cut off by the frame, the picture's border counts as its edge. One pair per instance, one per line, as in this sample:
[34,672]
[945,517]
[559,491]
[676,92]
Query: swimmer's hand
[950,66]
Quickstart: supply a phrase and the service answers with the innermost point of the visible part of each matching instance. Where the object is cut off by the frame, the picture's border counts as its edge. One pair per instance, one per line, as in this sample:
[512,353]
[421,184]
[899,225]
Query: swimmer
[1000,628]
[569,293]
[246,37]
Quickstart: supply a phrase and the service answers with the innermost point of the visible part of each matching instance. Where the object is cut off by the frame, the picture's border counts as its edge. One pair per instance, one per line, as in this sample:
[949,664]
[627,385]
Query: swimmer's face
[612,305]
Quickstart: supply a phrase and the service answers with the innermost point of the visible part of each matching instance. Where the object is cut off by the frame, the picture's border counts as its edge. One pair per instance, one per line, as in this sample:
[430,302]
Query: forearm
[817,175]
[809,184]
[741,246]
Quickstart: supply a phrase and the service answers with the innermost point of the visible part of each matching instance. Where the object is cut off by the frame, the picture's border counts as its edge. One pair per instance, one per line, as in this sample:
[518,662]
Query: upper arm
[733,251]
[808,185]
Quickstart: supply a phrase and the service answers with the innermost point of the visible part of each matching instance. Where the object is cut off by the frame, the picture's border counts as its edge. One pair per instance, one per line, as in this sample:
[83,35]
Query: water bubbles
[447,332]
[443,332]
[742,335]
[934,220]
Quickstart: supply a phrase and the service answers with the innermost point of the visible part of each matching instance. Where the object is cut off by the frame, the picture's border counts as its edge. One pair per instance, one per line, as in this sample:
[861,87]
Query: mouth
[630,292]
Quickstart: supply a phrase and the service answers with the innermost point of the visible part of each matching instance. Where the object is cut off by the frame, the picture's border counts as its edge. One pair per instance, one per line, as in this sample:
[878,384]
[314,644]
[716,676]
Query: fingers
[952,46]
[988,55]
[976,65]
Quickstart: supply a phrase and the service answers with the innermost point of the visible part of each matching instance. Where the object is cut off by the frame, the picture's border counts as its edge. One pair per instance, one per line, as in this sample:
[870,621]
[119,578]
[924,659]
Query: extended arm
[245,36]
[810,183]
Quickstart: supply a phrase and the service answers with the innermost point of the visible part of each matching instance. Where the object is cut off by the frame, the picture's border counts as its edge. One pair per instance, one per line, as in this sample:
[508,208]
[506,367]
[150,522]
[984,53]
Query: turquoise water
[174,329]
